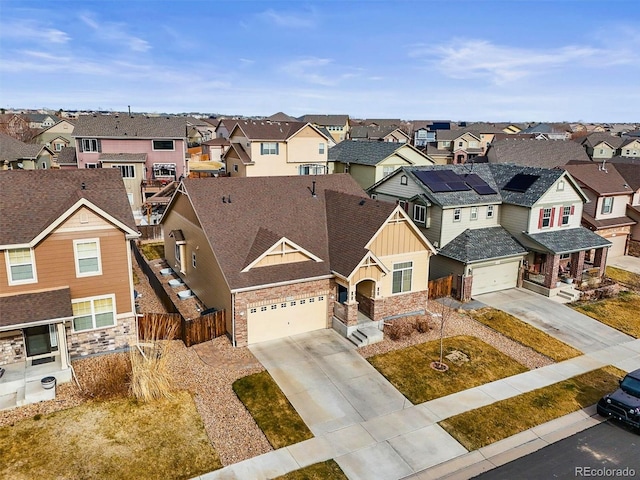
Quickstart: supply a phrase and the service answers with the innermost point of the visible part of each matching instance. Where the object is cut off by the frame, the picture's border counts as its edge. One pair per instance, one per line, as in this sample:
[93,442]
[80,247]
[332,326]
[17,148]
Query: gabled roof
[67,156]
[325,119]
[595,139]
[567,241]
[482,244]
[12,149]
[36,307]
[450,135]
[630,173]
[34,200]
[281,117]
[123,157]
[374,132]
[363,152]
[258,130]
[605,181]
[125,126]
[262,209]
[240,152]
[538,153]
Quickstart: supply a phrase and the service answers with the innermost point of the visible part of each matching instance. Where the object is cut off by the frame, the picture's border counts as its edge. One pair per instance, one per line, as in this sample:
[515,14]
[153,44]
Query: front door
[38,341]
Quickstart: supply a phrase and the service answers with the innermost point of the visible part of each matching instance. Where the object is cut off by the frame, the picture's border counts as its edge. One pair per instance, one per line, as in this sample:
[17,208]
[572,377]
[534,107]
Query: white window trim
[126,167]
[402,291]
[33,267]
[549,218]
[567,216]
[473,213]
[89,143]
[604,210]
[490,211]
[403,180]
[458,214]
[93,313]
[163,149]
[98,253]
[419,208]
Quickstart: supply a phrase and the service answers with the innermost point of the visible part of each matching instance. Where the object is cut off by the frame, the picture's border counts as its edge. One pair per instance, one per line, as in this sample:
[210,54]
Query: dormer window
[607,205]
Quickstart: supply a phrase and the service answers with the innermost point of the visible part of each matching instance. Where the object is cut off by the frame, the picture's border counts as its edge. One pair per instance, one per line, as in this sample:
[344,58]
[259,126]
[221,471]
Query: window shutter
[277,148]
[560,212]
[262,149]
[573,207]
[99,145]
[540,218]
[553,214]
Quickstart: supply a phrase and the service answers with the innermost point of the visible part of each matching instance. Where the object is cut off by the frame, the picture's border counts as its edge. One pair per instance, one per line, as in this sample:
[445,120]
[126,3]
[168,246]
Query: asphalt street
[603,451]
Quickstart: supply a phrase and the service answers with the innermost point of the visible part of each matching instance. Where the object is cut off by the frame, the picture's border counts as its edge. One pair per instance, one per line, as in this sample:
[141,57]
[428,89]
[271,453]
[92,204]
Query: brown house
[66,289]
[286,255]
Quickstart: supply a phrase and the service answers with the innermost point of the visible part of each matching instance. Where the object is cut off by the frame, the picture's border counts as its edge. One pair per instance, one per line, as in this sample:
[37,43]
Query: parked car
[624,403]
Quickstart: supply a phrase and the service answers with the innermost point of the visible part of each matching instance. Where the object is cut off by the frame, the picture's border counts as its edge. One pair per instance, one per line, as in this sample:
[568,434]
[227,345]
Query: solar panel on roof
[483,189]
[437,187]
[473,179]
[458,186]
[520,182]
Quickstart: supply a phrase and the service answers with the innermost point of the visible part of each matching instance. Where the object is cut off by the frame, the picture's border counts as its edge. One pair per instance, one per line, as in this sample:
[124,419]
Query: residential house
[281,117]
[198,131]
[499,226]
[215,148]
[602,146]
[535,153]
[551,131]
[630,148]
[265,148]
[39,121]
[368,161]
[463,145]
[57,136]
[286,255]
[16,126]
[67,159]
[337,125]
[381,133]
[149,152]
[17,155]
[66,288]
[609,195]
[631,175]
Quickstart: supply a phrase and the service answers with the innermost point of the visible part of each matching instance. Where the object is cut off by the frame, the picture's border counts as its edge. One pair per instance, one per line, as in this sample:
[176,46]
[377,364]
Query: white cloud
[289,20]
[115,33]
[319,71]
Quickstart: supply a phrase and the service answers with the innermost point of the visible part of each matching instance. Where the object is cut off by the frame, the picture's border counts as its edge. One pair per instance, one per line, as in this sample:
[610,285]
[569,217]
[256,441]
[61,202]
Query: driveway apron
[626,262]
[327,381]
[562,322]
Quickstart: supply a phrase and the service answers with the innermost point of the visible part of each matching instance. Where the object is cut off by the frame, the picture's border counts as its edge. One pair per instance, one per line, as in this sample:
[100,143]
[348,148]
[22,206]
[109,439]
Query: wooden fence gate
[440,287]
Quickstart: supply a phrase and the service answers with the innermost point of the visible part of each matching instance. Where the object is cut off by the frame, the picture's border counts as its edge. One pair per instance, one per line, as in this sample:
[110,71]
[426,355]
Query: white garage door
[277,320]
[492,278]
[618,245]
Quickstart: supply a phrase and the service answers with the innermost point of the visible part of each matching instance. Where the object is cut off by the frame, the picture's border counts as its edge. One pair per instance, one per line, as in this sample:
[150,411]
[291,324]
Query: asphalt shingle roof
[603,182]
[482,244]
[35,307]
[538,153]
[268,130]
[334,120]
[631,174]
[33,199]
[363,152]
[503,173]
[12,149]
[567,241]
[140,126]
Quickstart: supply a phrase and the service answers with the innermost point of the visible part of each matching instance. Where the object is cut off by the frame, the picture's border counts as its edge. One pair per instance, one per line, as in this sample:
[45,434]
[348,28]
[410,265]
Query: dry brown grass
[522,332]
[623,277]
[104,376]
[620,312]
[486,425]
[152,251]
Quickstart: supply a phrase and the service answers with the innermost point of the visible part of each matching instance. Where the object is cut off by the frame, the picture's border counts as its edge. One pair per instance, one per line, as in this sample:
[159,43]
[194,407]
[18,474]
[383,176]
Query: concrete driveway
[630,264]
[327,381]
[564,323]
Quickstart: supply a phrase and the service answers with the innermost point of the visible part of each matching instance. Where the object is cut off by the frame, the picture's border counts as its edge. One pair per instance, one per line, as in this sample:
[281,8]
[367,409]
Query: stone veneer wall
[277,294]
[102,340]
[12,347]
[398,305]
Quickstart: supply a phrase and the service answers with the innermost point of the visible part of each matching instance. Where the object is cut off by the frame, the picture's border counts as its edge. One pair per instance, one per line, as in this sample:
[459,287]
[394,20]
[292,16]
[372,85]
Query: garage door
[492,278]
[618,245]
[284,318]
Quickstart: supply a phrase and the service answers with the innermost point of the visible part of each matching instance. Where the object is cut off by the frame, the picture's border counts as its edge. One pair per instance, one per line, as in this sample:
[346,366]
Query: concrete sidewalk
[627,262]
[405,442]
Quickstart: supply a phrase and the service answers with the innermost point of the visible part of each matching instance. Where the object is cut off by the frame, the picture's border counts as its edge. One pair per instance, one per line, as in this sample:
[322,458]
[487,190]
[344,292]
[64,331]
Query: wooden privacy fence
[150,232]
[440,287]
[193,331]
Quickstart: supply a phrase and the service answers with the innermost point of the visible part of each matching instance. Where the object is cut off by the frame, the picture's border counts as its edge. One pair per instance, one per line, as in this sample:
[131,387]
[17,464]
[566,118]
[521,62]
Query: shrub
[400,328]
[422,325]
[104,376]
[150,377]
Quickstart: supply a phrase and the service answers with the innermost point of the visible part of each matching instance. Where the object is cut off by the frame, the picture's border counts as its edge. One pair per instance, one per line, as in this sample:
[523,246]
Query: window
[269,148]
[130,198]
[403,204]
[302,302]
[163,145]
[235,167]
[321,148]
[565,256]
[489,211]
[87,254]
[263,309]
[607,205]
[403,180]
[283,305]
[312,299]
[446,144]
[21,266]
[58,147]
[91,165]
[253,310]
[127,171]
[273,307]
[90,145]
[473,144]
[546,217]
[601,151]
[93,313]
[456,214]
[474,213]
[311,169]
[566,214]
[402,277]
[460,144]
[386,170]
[293,304]
[193,259]
[560,186]
[164,170]
[177,252]
[419,213]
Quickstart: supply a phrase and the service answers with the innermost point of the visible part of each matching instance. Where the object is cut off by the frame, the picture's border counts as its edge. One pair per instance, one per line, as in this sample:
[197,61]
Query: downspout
[233,319]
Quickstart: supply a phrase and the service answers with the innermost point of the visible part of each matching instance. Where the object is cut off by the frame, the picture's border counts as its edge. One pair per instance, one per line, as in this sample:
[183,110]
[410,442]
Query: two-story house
[265,148]
[149,152]
[602,146]
[499,226]
[609,195]
[337,125]
[535,153]
[17,155]
[284,255]
[370,161]
[56,137]
[66,284]
[631,174]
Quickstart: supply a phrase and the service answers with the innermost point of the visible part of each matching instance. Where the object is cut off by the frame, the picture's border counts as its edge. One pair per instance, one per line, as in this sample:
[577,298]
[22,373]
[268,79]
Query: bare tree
[441,311]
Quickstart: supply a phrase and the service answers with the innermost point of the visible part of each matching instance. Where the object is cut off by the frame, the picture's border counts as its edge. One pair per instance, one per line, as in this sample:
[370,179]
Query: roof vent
[83,186]
[362,202]
[313,189]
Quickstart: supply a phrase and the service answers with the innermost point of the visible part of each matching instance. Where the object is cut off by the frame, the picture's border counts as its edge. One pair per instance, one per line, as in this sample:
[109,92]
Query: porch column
[600,260]
[551,266]
[577,265]
[62,345]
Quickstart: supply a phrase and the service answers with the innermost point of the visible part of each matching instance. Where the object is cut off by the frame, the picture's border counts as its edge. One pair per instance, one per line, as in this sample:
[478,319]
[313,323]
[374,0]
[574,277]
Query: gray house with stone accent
[498,226]
[66,284]
[291,254]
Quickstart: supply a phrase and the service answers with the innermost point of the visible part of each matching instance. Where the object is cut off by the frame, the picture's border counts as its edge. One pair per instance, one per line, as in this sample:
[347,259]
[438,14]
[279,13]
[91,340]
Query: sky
[477,60]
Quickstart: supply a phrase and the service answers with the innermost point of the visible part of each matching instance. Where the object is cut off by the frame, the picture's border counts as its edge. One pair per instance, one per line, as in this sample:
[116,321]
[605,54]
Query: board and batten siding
[206,279]
[396,238]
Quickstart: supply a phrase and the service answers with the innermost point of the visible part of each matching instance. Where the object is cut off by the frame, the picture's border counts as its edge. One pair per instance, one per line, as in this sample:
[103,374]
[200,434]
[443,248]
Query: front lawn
[522,332]
[620,312]
[409,369]
[271,410]
[486,425]
[623,277]
[318,471]
[116,439]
